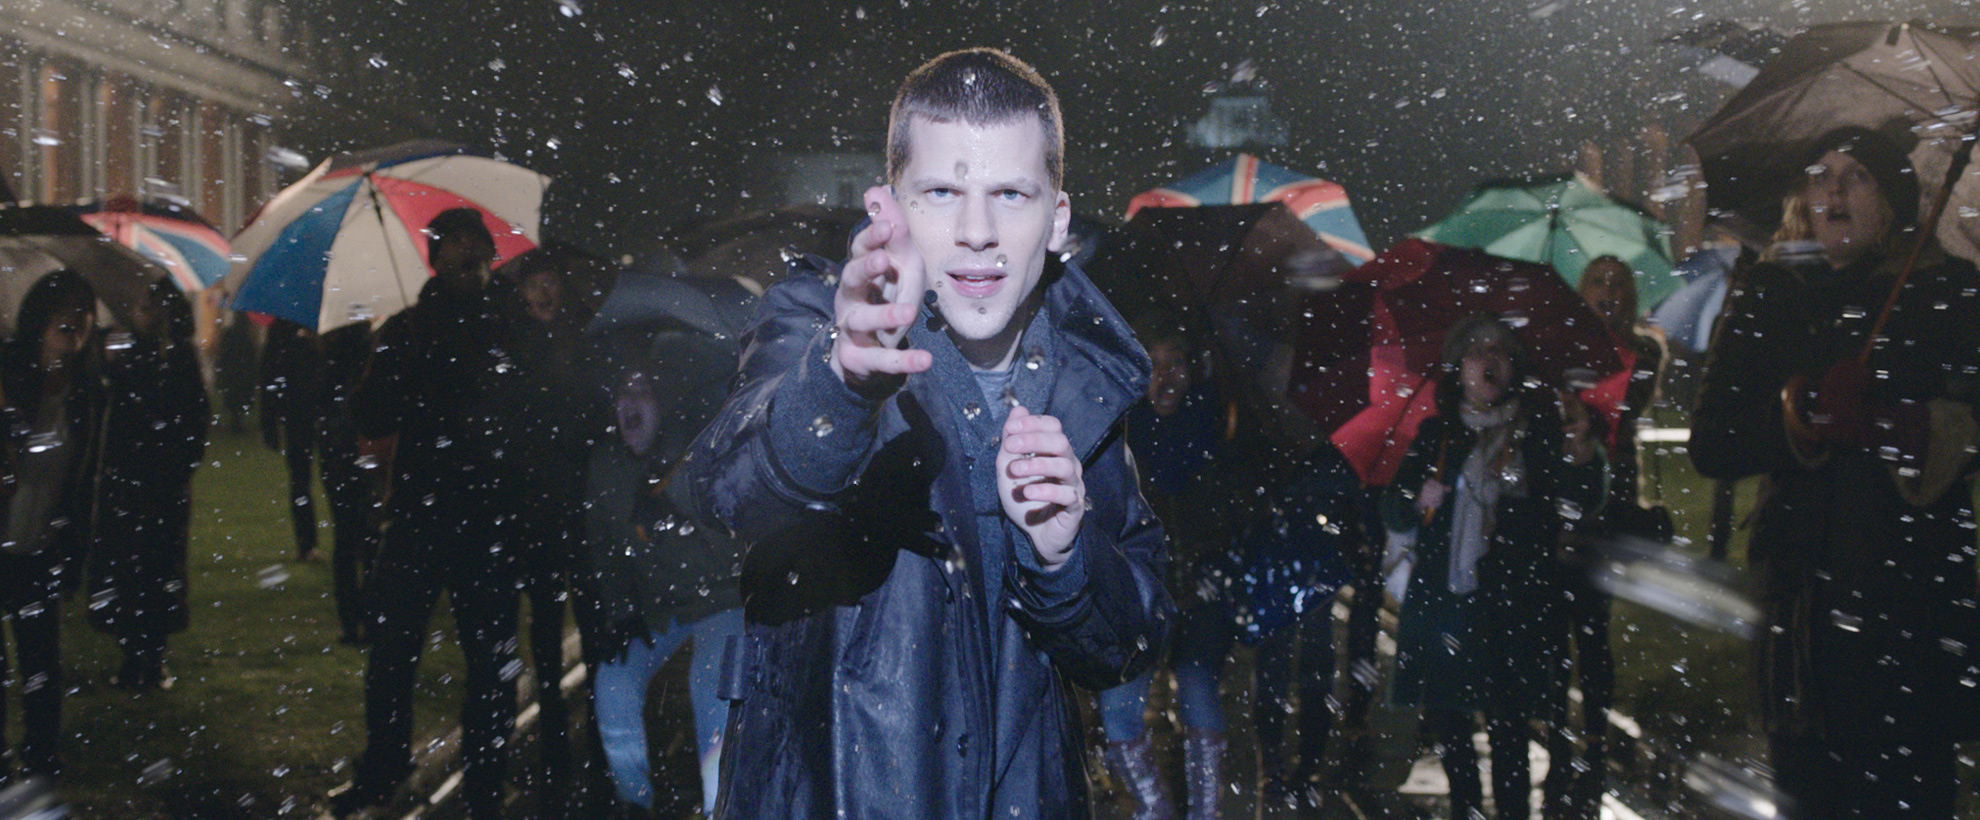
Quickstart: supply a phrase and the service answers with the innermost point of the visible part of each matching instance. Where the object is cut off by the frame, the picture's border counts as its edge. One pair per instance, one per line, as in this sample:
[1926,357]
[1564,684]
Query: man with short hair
[446,379]
[925,451]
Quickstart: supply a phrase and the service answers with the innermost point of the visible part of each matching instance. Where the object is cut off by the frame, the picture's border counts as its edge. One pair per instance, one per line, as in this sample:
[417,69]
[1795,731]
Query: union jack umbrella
[171,234]
[1242,179]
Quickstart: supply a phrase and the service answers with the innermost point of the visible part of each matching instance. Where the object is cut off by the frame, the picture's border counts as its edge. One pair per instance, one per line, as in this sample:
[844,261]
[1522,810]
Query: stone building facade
[175,97]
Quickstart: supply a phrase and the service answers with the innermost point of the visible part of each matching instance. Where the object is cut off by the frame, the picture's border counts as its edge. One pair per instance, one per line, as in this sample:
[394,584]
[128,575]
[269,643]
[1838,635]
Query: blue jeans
[1197,651]
[619,699]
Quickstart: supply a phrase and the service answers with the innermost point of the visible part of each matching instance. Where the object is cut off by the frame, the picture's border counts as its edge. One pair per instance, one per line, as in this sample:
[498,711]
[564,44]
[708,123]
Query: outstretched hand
[1040,481]
[879,296]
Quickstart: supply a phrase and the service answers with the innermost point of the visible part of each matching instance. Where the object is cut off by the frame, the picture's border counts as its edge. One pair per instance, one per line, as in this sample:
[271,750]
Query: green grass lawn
[267,704]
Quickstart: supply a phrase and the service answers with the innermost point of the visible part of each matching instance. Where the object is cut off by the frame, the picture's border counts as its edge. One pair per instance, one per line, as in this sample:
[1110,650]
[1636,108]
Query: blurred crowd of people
[648,480]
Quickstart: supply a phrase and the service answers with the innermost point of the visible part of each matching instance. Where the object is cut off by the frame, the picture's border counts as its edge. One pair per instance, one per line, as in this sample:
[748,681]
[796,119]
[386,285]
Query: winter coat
[1500,648]
[648,556]
[904,656]
[1177,457]
[154,436]
[666,571]
[1866,568]
[448,377]
[42,576]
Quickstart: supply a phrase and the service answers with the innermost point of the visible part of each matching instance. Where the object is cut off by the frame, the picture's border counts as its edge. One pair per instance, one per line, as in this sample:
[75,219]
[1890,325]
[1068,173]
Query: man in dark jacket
[925,452]
[1864,538]
[445,379]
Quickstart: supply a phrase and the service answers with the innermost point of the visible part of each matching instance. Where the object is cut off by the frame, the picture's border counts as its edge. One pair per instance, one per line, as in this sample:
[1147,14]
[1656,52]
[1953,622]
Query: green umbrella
[1564,221]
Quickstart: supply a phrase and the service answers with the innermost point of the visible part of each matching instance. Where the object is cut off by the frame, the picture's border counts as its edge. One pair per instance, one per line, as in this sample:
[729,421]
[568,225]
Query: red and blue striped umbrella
[1242,179]
[173,235]
[344,244]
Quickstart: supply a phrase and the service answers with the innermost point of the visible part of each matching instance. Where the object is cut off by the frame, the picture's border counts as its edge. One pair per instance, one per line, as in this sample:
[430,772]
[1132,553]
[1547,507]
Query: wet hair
[456,222]
[979,86]
[1161,326]
[1796,224]
[50,296]
[1629,281]
[1469,330]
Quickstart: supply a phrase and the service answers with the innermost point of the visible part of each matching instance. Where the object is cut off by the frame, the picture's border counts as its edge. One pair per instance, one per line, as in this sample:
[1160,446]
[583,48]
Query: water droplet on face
[1003,261]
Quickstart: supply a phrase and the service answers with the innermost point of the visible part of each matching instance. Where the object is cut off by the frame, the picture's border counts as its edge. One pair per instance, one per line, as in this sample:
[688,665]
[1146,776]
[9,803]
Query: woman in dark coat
[154,435]
[1863,542]
[1481,630]
[50,405]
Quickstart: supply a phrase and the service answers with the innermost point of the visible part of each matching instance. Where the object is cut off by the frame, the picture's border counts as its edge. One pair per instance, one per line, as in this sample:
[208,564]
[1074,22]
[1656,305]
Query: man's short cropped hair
[457,222]
[979,86]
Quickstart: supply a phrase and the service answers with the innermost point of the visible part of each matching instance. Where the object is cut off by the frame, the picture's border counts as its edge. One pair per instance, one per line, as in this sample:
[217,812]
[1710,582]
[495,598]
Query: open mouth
[976,283]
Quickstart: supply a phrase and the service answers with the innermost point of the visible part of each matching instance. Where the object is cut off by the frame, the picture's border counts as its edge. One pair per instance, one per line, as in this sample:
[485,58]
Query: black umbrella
[1916,82]
[38,239]
[1231,272]
[718,307]
[759,246]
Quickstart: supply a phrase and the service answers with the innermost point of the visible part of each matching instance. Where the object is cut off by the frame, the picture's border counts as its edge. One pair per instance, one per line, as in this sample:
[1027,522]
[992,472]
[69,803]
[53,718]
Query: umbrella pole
[378,208]
[1926,231]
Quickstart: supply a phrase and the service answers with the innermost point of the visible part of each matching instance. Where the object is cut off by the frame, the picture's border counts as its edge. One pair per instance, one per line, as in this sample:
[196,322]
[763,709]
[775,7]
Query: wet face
[1171,379]
[1846,208]
[462,261]
[638,411]
[1609,287]
[1485,372]
[543,297]
[983,213]
[68,330]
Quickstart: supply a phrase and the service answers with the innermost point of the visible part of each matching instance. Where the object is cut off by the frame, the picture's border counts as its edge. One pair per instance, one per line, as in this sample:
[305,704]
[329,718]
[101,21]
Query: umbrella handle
[1791,393]
[1443,456]
[1926,231]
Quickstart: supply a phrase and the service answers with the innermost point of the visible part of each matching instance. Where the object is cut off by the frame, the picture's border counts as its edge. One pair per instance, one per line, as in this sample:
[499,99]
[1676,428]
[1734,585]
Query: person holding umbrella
[1847,377]
[1481,490]
[448,378]
[154,434]
[1609,286]
[48,394]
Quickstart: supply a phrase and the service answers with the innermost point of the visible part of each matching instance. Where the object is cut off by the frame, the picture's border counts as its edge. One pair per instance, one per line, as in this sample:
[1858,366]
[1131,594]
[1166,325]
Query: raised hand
[878,298]
[1040,483]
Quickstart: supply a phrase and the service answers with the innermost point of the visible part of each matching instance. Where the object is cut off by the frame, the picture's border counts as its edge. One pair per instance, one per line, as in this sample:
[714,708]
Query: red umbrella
[1421,289]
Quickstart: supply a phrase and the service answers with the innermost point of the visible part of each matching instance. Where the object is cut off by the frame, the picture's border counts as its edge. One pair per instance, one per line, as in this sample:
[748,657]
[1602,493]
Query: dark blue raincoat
[904,656]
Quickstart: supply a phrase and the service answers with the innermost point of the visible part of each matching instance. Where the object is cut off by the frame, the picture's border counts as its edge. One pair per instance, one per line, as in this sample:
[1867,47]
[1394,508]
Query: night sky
[652,113]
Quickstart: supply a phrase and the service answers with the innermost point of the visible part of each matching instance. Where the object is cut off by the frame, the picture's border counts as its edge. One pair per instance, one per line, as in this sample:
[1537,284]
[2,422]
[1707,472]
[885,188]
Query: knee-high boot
[1203,771]
[1133,763]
